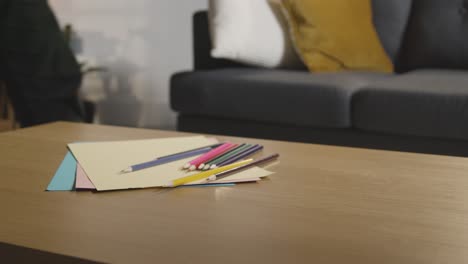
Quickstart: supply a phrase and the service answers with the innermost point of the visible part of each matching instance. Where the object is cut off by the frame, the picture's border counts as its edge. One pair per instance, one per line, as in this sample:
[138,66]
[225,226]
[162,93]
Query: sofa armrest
[202,45]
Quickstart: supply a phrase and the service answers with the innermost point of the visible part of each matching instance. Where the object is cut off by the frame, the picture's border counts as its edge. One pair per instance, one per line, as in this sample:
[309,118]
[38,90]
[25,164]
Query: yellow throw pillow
[336,35]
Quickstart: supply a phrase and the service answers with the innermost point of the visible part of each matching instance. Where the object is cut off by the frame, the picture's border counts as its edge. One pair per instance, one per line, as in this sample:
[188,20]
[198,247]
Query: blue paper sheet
[64,178]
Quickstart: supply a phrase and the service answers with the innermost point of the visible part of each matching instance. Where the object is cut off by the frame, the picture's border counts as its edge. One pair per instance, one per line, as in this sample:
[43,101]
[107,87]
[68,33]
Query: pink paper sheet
[81,180]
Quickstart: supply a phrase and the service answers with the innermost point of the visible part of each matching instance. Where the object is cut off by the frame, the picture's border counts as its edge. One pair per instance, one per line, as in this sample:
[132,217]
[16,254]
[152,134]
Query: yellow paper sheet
[103,161]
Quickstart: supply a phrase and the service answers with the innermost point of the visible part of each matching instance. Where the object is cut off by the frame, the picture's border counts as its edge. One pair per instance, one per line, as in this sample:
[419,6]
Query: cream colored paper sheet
[103,161]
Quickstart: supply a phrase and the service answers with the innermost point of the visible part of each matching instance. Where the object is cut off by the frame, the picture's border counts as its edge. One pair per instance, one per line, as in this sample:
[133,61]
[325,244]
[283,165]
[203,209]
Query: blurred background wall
[141,43]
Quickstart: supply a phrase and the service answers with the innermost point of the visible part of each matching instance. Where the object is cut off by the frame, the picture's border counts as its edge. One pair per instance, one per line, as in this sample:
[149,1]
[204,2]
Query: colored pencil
[226,156]
[243,167]
[182,152]
[245,153]
[217,157]
[212,165]
[192,164]
[166,159]
[205,174]
[221,145]
[233,146]
[195,166]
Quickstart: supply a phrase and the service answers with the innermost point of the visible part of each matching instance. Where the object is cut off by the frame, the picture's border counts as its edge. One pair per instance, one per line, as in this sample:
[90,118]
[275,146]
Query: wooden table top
[324,205]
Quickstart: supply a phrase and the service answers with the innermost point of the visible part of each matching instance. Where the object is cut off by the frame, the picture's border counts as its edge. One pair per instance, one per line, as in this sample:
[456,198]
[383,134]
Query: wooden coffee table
[324,205]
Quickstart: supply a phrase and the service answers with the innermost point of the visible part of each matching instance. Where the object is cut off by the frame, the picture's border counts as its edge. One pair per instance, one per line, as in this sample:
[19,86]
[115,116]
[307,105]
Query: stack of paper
[98,165]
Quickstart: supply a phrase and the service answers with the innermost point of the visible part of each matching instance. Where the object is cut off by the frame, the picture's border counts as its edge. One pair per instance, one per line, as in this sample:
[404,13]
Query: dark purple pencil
[241,155]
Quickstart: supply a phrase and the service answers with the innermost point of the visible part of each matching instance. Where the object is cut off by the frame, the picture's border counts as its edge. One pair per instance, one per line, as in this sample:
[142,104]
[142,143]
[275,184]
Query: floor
[6,113]
[6,125]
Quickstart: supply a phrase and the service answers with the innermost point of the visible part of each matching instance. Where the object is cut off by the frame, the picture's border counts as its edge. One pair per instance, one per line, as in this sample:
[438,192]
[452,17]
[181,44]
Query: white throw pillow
[251,32]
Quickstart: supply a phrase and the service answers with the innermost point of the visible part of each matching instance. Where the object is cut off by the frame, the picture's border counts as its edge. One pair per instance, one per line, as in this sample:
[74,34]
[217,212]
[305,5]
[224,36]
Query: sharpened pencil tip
[127,170]
[211,178]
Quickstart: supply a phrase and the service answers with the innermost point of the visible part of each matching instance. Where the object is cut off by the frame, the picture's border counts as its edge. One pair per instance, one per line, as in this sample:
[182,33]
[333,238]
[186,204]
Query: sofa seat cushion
[279,96]
[431,103]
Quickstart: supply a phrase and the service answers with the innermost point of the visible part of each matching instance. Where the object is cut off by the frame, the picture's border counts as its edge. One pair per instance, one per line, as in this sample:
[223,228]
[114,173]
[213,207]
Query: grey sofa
[421,108]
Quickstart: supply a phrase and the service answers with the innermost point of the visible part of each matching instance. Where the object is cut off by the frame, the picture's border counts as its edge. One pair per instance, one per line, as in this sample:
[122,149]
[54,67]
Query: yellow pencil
[205,174]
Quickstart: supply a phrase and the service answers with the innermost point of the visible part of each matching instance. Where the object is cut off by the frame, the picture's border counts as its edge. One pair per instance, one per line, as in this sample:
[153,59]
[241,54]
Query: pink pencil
[210,154]
[194,166]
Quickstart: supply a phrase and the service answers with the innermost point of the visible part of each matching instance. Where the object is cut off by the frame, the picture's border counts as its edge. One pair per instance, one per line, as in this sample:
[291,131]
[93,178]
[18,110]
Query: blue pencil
[167,159]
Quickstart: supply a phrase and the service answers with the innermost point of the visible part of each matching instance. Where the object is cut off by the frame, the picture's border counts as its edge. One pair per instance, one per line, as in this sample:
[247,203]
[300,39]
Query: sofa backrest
[390,18]
[202,59]
[436,36]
